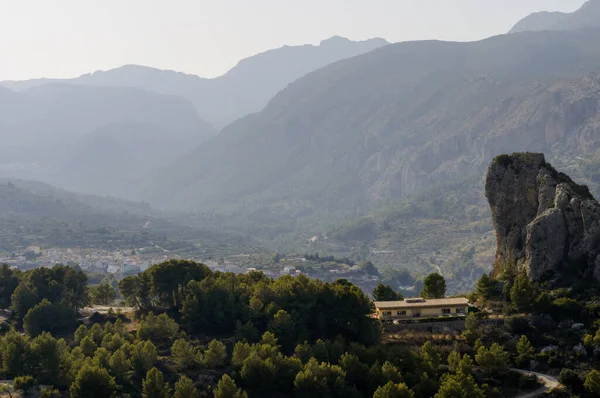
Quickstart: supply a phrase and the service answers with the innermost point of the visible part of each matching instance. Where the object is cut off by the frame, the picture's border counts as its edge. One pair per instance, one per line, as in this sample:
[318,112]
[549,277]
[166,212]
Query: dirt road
[548,383]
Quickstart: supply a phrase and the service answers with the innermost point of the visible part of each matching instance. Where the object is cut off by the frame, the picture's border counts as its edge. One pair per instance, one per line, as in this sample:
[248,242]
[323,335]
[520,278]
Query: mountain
[588,16]
[94,139]
[344,141]
[389,123]
[245,89]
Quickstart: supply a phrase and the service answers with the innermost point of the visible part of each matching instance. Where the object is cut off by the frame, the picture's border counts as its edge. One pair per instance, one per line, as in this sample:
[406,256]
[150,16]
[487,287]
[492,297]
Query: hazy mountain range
[106,132]
[392,122]
[244,89]
[381,148]
[588,16]
[75,136]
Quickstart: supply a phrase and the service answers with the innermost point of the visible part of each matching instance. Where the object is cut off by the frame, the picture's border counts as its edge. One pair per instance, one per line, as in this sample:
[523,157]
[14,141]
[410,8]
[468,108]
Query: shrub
[566,308]
[158,328]
[50,392]
[24,383]
[517,324]
[48,317]
[571,380]
[528,382]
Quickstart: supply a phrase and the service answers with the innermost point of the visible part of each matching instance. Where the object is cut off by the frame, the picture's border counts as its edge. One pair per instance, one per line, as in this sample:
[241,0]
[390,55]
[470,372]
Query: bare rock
[544,222]
[577,326]
[545,244]
[580,350]
[549,349]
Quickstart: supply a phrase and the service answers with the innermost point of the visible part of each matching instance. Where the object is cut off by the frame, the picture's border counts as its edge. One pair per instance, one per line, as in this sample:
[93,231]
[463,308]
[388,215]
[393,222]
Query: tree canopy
[434,286]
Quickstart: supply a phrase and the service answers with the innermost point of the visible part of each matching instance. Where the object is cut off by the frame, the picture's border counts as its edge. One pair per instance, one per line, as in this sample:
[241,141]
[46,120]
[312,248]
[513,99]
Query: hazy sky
[65,38]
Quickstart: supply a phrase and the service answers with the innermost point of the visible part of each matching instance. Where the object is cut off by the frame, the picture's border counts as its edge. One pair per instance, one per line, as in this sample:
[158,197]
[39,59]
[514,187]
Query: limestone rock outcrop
[545,223]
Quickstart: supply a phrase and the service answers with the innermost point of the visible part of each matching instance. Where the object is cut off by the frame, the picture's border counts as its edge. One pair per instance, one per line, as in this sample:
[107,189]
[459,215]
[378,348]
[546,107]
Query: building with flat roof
[421,308]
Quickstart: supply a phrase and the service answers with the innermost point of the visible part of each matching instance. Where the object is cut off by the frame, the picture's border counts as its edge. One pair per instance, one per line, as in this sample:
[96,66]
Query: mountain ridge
[46,127]
[309,94]
[587,16]
[242,90]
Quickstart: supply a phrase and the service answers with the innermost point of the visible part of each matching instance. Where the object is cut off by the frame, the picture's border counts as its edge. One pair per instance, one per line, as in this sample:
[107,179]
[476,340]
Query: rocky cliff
[545,223]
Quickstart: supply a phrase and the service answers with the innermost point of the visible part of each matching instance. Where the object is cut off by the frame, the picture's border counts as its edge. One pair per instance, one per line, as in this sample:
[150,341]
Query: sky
[67,38]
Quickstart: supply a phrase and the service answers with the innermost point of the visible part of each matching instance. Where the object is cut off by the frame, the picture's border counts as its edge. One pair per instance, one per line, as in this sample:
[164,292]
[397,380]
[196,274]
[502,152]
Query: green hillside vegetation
[198,333]
[37,214]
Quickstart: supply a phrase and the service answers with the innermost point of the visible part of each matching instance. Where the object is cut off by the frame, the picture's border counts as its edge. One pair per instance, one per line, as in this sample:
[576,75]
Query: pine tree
[81,333]
[102,358]
[96,333]
[216,355]
[93,382]
[391,390]
[434,286]
[459,385]
[391,373]
[154,385]
[183,354]
[143,357]
[453,361]
[522,293]
[493,360]
[592,383]
[465,366]
[88,347]
[430,357]
[120,365]
[485,286]
[184,388]
[386,293]
[226,388]
[525,351]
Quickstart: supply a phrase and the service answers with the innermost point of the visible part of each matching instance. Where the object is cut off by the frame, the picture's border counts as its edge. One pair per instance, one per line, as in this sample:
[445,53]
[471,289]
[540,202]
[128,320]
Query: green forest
[190,332]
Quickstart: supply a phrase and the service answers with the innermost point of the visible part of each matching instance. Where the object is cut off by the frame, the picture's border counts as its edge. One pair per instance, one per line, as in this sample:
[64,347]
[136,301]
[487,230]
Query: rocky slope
[588,16]
[545,223]
[390,123]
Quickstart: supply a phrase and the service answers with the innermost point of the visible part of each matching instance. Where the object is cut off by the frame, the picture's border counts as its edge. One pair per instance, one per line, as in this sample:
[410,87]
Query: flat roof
[415,303]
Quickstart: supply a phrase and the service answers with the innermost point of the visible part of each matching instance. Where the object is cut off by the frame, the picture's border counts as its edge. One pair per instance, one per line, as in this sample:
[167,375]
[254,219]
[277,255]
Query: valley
[194,203]
[363,150]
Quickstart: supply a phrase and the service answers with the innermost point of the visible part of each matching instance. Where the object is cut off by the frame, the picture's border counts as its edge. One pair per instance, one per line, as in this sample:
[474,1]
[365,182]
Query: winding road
[548,383]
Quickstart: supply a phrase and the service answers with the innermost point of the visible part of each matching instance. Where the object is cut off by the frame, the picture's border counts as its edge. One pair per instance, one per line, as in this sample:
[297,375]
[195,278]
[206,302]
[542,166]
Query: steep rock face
[545,223]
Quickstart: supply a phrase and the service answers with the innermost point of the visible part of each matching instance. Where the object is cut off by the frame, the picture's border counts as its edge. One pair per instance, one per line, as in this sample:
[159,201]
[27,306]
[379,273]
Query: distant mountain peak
[340,40]
[335,40]
[590,3]
[587,16]
[244,89]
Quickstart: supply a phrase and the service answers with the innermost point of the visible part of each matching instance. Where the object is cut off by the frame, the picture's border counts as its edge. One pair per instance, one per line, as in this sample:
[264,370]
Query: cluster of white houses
[421,308]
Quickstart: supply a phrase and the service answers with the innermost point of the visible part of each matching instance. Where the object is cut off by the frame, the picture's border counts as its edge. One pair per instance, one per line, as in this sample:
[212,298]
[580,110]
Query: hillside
[244,89]
[33,213]
[388,125]
[63,134]
[588,16]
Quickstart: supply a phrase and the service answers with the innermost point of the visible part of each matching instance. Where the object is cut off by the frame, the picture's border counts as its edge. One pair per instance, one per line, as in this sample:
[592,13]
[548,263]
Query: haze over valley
[363,149]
